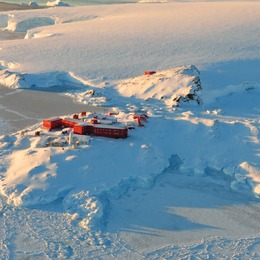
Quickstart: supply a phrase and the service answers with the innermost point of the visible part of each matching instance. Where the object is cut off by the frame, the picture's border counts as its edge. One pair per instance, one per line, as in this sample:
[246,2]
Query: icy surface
[186,184]
[102,48]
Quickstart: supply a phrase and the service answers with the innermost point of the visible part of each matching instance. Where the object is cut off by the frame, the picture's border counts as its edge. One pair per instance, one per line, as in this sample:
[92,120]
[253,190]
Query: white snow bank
[12,80]
[57,78]
[86,208]
[248,175]
[8,65]
[39,35]
[25,25]
[56,3]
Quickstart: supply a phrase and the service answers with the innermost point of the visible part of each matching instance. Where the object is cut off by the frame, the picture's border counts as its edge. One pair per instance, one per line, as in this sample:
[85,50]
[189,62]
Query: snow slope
[184,185]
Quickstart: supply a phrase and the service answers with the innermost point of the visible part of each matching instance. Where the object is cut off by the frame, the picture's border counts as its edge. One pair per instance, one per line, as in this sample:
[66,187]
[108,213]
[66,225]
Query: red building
[83,113]
[69,122]
[110,131]
[83,129]
[76,116]
[52,123]
[101,130]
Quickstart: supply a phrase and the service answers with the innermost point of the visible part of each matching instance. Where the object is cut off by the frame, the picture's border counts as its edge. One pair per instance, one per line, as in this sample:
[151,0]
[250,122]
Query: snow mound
[27,24]
[45,80]
[169,86]
[12,79]
[8,65]
[56,3]
[31,35]
[248,176]
[85,207]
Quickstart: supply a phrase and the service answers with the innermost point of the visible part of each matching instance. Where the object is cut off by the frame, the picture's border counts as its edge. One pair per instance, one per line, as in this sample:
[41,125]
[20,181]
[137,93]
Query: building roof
[51,119]
[121,127]
[84,124]
[72,120]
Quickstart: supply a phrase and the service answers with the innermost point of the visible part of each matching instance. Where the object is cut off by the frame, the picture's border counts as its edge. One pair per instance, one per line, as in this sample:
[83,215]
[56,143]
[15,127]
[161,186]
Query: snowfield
[185,185]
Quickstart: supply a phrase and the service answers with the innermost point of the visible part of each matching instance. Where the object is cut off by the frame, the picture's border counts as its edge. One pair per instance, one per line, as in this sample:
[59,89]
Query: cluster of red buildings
[83,128]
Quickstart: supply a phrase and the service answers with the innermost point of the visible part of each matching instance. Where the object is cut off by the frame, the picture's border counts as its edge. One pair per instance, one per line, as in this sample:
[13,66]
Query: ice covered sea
[75,2]
[97,2]
[169,213]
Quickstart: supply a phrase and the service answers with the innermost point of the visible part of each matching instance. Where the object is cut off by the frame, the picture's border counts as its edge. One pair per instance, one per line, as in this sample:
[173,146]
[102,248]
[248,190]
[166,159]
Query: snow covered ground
[186,185]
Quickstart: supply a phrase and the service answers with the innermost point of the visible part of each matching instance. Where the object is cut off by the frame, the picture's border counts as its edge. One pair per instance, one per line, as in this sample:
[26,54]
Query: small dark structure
[83,113]
[112,113]
[37,133]
[76,116]
[149,72]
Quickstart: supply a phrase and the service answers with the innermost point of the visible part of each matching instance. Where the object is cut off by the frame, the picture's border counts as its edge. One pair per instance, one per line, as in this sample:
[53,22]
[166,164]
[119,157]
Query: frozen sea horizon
[74,2]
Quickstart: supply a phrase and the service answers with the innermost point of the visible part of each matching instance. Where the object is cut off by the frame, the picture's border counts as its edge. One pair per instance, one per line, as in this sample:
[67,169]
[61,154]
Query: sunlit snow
[184,184]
